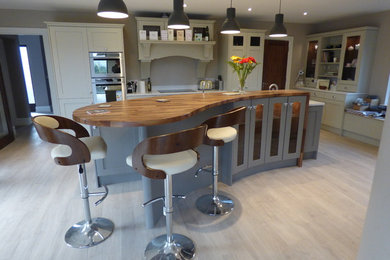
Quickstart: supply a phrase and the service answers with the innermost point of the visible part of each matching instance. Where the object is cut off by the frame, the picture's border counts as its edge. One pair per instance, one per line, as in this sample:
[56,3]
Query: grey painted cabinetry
[272,133]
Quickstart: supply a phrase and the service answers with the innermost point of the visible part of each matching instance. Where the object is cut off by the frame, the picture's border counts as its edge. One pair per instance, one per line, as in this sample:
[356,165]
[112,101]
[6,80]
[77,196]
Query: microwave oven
[106,64]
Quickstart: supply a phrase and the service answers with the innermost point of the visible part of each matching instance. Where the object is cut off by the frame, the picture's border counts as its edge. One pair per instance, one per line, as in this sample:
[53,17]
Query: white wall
[375,241]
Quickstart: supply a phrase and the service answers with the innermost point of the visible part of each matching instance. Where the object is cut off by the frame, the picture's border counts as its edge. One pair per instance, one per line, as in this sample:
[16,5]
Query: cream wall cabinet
[70,46]
[364,129]
[248,43]
[68,105]
[71,61]
[335,104]
[344,57]
[105,39]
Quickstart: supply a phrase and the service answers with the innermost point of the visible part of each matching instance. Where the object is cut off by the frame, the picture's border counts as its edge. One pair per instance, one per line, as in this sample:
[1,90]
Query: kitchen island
[271,137]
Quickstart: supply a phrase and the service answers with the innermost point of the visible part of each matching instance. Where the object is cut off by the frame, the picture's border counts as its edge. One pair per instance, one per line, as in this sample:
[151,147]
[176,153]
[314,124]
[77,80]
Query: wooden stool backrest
[230,118]
[48,128]
[165,144]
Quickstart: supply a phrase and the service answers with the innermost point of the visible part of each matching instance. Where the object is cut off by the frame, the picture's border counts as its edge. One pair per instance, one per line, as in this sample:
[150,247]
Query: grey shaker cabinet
[272,132]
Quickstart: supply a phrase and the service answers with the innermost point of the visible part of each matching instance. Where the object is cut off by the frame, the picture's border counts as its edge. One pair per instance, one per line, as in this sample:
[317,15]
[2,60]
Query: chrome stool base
[84,235]
[180,249]
[207,205]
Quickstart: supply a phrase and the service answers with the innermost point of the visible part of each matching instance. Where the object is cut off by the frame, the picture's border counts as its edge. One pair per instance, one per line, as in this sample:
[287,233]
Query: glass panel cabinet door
[295,117]
[311,58]
[275,128]
[240,144]
[351,55]
[258,115]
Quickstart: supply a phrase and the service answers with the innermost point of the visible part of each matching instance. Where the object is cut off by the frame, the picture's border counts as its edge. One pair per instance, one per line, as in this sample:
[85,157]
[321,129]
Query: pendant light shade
[178,19]
[278,30]
[114,9]
[230,25]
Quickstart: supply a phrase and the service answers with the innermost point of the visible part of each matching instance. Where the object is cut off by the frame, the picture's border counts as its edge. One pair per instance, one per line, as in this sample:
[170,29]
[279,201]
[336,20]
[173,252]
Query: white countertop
[313,103]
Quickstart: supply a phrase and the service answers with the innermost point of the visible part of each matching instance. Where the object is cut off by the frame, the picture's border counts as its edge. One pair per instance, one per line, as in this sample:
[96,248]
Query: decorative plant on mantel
[243,67]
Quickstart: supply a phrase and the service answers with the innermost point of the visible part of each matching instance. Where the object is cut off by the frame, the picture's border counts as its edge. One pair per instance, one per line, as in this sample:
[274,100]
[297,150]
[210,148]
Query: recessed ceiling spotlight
[184,5]
[250,9]
[305,13]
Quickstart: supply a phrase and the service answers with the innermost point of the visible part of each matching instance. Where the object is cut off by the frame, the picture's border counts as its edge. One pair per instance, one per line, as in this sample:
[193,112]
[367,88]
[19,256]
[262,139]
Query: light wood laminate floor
[313,212]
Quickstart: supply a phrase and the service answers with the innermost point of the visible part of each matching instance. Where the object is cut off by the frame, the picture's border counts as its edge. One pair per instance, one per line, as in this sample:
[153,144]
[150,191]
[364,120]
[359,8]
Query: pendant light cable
[278,30]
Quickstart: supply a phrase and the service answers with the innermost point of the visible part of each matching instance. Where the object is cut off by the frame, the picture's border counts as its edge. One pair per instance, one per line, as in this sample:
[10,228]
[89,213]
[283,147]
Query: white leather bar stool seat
[171,163]
[96,146]
[226,134]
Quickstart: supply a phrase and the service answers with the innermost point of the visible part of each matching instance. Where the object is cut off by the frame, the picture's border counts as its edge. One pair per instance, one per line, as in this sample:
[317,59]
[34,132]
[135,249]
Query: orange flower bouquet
[243,67]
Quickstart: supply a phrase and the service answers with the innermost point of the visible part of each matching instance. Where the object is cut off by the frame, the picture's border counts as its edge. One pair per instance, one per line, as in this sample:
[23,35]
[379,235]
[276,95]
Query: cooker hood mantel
[151,50]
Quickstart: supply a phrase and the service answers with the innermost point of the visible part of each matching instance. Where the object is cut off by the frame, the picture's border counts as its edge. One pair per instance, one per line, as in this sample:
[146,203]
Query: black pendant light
[178,19]
[114,9]
[278,30]
[230,25]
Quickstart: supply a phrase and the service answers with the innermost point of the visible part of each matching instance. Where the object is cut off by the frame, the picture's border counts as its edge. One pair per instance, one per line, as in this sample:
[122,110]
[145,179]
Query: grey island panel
[244,156]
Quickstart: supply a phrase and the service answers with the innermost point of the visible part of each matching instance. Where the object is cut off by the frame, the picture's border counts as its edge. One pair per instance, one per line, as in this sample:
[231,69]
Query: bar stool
[77,150]
[161,157]
[219,132]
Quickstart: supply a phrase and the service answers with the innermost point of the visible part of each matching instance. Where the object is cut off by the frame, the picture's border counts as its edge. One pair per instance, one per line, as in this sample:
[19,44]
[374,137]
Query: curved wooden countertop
[148,111]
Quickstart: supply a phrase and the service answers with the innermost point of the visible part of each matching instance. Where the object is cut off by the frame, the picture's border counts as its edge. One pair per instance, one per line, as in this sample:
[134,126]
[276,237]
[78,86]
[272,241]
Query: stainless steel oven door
[106,64]
[107,91]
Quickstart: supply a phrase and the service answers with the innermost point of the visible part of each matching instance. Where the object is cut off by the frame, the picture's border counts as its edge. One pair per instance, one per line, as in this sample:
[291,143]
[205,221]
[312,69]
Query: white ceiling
[263,10]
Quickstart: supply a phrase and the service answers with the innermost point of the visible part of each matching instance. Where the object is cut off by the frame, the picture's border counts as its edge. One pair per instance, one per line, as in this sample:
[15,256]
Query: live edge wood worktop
[148,111]
[272,136]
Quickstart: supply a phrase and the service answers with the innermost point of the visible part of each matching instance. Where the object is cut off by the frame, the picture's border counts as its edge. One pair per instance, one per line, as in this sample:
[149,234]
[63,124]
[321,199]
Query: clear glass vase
[241,88]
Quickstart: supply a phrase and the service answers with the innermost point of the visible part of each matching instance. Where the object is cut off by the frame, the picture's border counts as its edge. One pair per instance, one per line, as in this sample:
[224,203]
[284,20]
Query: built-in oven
[106,64]
[107,89]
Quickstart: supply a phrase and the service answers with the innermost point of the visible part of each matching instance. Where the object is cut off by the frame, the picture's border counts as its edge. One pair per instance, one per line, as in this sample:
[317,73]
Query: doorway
[6,130]
[276,54]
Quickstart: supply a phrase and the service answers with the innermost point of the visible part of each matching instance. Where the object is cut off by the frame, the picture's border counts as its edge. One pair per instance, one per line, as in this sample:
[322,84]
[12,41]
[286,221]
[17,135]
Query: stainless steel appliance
[106,64]
[108,89]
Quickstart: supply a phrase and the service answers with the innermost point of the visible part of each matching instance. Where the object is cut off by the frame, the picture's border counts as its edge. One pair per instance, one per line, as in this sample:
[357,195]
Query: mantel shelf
[179,42]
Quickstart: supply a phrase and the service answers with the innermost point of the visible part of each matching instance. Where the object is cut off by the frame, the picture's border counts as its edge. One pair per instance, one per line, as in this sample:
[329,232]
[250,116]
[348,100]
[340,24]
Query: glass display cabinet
[343,57]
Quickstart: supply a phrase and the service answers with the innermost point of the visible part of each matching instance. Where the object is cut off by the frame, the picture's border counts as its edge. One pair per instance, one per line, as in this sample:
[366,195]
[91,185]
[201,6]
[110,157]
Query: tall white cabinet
[70,46]
[248,43]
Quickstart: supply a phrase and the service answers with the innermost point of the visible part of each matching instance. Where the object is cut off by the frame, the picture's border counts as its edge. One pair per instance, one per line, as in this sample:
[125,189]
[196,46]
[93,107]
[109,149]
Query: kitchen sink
[176,90]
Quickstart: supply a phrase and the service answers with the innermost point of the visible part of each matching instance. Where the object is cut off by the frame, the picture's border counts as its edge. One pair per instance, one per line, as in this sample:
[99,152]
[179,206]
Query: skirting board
[43,109]
[361,138]
[23,121]
[331,129]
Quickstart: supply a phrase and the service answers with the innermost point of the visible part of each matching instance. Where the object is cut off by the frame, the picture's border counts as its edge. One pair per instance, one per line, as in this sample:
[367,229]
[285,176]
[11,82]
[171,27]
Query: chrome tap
[273,86]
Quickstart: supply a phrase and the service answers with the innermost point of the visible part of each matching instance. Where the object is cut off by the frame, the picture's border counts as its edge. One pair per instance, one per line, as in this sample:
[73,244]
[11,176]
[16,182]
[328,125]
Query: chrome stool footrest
[207,168]
[180,248]
[214,206]
[84,234]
